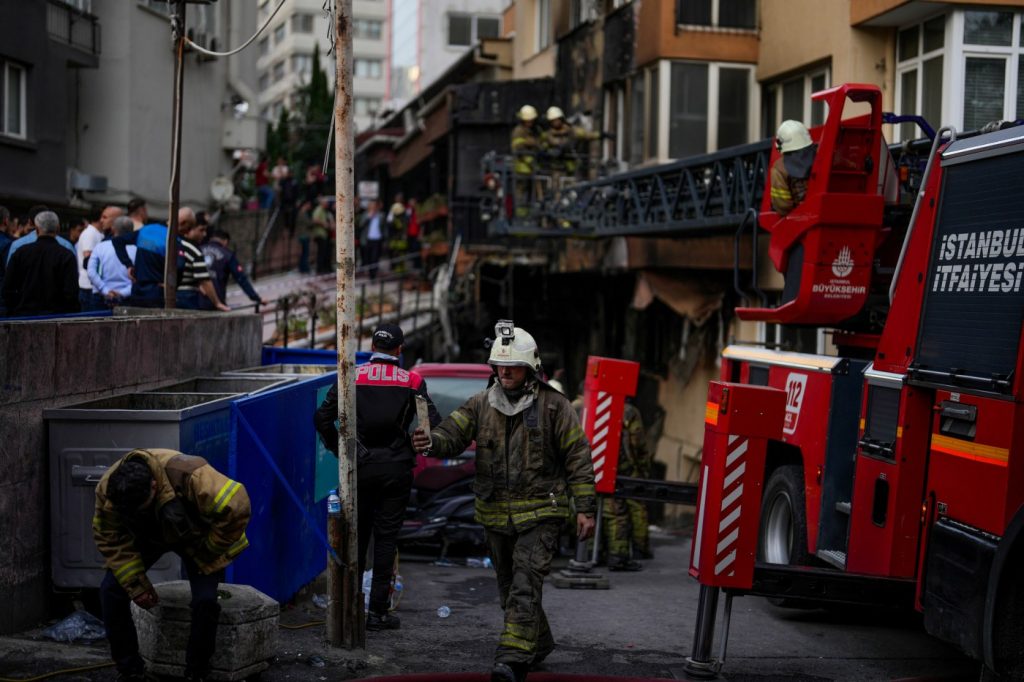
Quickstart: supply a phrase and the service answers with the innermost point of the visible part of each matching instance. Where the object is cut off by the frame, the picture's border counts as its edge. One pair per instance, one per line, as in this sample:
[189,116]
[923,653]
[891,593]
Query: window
[582,11]
[278,71]
[991,67]
[791,99]
[709,107]
[465,30]
[688,111]
[264,47]
[279,34]
[733,107]
[652,113]
[302,64]
[367,68]
[721,13]
[370,29]
[12,100]
[543,33]
[366,106]
[301,23]
[919,83]
[636,119]
[158,5]
[264,81]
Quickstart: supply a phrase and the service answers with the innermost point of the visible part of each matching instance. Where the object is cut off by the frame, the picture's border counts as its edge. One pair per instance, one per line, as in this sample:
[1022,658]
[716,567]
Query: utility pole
[171,253]
[346,626]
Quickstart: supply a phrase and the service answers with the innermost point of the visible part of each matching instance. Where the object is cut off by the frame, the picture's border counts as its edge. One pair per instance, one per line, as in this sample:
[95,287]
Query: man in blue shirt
[108,275]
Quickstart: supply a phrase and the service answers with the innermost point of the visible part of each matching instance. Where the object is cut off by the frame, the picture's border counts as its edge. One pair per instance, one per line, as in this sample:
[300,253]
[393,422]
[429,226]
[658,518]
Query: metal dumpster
[88,437]
[273,355]
[232,384]
[281,370]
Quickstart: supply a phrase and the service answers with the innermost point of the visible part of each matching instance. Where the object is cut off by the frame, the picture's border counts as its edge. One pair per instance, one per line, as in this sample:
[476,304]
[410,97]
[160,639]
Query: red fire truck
[893,471]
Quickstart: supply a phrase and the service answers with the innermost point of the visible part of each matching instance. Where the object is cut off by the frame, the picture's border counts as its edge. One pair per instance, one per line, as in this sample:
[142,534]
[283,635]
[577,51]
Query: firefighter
[626,520]
[155,501]
[532,456]
[792,169]
[525,145]
[561,144]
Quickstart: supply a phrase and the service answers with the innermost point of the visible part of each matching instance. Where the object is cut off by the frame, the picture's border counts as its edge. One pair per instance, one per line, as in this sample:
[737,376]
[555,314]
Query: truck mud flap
[829,586]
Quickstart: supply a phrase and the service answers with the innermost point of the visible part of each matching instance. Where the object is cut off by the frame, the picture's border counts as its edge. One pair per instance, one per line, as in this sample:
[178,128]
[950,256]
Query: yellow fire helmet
[513,346]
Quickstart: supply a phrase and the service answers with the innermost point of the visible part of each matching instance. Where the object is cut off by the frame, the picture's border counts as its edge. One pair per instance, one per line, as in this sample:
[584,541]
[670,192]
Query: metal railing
[71,25]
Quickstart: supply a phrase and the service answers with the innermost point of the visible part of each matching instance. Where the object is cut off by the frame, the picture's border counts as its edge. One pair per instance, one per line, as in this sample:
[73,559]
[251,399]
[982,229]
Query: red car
[450,384]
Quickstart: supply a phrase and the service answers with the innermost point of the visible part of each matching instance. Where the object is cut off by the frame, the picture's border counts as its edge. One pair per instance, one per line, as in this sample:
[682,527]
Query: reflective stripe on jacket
[197,511]
[525,143]
[787,192]
[527,465]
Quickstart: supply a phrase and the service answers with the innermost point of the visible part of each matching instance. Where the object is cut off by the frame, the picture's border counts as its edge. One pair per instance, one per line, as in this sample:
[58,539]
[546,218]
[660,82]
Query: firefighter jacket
[787,191]
[525,144]
[527,464]
[385,407]
[563,146]
[634,458]
[197,512]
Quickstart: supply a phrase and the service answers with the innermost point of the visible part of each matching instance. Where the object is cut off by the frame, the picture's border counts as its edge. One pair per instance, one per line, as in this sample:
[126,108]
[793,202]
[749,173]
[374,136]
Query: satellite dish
[221,189]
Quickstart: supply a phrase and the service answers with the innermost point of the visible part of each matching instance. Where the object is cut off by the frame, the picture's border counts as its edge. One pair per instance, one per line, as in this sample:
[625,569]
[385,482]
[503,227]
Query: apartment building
[285,55]
[429,36]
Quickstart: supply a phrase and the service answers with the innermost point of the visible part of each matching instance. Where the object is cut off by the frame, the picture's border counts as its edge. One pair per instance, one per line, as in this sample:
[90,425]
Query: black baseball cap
[388,336]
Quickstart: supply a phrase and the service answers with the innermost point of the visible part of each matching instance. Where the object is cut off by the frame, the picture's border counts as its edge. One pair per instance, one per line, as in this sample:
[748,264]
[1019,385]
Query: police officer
[525,145]
[792,169]
[626,520]
[531,456]
[155,501]
[385,407]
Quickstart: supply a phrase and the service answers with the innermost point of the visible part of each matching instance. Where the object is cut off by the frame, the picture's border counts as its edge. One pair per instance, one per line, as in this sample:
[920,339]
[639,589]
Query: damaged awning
[688,296]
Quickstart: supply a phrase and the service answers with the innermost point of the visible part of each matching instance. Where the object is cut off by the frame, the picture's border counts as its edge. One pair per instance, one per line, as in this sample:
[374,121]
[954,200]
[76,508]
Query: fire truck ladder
[694,196]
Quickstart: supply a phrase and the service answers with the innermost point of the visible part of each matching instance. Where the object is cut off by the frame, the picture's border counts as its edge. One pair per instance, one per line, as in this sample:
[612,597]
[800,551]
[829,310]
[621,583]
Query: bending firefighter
[531,457]
[147,504]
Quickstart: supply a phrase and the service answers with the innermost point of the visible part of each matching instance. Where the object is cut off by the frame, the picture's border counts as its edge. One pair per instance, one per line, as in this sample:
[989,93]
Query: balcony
[75,28]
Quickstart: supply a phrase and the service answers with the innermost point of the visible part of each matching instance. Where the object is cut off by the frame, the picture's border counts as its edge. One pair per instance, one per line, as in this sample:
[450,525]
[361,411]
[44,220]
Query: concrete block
[28,361]
[246,632]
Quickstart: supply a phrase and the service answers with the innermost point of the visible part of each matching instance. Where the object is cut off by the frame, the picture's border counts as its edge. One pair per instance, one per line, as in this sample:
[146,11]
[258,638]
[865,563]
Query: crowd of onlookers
[116,257]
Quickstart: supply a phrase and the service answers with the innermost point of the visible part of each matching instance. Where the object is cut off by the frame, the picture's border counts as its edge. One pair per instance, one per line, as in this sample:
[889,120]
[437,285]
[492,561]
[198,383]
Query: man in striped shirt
[194,278]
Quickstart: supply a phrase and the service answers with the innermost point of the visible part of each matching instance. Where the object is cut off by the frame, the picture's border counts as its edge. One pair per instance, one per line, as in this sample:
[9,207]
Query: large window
[264,47]
[721,13]
[465,29]
[790,98]
[369,29]
[920,51]
[12,100]
[302,23]
[991,67]
[278,71]
[543,28]
[302,65]
[279,33]
[367,68]
[366,106]
[709,107]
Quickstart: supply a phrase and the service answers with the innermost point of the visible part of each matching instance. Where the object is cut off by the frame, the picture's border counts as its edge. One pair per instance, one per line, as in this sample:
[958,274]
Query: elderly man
[109,277]
[42,277]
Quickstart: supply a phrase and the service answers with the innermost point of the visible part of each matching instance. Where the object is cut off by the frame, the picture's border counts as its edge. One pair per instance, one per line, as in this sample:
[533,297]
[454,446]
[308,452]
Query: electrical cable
[66,671]
[211,53]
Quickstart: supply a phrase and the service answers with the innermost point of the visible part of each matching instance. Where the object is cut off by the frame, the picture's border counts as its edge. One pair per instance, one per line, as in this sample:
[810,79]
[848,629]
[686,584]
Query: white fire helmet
[527,113]
[554,113]
[792,136]
[557,385]
[513,346]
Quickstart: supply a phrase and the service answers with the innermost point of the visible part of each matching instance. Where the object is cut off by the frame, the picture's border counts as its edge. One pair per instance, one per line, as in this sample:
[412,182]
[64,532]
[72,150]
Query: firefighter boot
[623,563]
[382,621]
[509,672]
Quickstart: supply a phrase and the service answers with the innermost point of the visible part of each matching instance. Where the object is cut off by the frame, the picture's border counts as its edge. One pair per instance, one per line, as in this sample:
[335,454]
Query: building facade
[285,55]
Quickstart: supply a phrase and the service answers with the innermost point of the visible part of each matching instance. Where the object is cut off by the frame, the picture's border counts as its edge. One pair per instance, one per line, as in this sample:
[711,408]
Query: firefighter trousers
[124,640]
[522,560]
[625,520]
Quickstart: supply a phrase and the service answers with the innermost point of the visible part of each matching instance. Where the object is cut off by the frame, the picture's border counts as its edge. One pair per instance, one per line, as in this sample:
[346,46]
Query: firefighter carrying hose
[525,145]
[792,169]
[531,457]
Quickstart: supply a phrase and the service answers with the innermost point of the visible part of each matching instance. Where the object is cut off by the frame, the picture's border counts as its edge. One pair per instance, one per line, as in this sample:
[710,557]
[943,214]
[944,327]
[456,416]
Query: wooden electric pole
[171,253]
[346,626]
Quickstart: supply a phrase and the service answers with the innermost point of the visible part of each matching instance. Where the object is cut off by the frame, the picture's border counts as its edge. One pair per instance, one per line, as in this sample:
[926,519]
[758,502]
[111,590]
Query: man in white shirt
[87,241]
[107,274]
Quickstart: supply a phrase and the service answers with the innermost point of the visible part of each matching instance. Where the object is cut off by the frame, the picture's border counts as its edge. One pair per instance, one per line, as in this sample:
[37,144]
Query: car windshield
[451,392]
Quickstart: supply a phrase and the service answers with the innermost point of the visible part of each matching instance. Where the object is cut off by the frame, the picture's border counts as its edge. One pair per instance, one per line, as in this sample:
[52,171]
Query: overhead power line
[211,53]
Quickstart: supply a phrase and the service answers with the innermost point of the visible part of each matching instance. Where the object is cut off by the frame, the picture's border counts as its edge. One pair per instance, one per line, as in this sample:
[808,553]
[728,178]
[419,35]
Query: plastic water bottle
[333,503]
[444,612]
[367,585]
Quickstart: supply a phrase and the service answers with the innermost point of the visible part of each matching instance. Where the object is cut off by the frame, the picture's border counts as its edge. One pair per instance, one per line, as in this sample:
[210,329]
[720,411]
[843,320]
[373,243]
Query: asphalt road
[641,627]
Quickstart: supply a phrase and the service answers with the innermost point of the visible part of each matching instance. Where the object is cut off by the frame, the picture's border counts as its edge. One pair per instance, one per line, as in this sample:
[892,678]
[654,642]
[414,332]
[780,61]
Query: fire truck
[891,472]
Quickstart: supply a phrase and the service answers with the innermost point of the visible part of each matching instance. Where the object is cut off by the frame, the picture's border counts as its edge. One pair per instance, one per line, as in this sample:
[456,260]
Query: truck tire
[783,533]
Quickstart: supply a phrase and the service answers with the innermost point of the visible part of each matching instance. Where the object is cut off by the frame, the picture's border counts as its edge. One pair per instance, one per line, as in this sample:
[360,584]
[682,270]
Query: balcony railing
[72,26]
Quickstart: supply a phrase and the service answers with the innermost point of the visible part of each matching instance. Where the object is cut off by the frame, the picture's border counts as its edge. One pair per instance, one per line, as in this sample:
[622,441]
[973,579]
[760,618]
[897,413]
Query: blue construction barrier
[274,355]
[275,452]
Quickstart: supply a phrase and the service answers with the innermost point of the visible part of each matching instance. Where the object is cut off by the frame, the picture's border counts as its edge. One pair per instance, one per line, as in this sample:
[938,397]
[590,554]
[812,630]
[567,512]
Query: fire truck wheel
[1009,621]
[783,536]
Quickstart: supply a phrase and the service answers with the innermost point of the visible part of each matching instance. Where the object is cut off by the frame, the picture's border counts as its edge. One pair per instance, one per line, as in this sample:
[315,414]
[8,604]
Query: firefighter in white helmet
[562,144]
[531,458]
[525,146]
[792,169]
